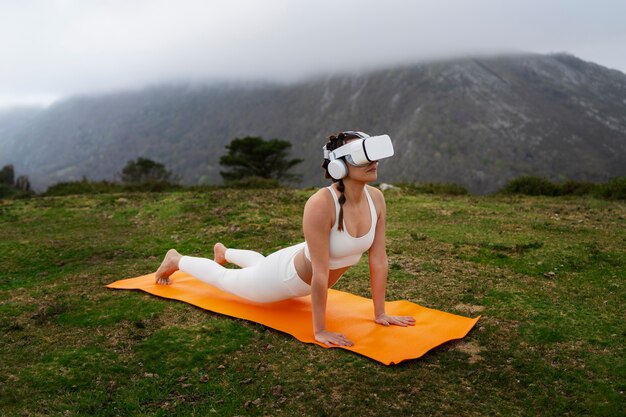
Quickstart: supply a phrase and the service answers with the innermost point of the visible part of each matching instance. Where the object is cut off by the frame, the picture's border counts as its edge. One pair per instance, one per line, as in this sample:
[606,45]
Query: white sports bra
[345,250]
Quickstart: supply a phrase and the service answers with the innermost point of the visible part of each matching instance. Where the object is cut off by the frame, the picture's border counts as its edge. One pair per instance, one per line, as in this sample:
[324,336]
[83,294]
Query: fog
[55,48]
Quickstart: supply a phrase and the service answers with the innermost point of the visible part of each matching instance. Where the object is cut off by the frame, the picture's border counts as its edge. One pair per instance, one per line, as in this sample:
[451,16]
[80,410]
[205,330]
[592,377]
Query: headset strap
[337,155]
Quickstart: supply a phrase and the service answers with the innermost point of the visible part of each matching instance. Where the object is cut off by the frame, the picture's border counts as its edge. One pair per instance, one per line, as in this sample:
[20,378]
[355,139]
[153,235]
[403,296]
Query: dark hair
[334,142]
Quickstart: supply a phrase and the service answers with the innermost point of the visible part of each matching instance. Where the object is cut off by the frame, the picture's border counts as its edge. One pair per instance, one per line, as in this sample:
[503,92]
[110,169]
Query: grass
[546,274]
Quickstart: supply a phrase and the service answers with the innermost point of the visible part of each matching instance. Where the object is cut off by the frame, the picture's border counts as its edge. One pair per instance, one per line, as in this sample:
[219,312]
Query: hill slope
[474,121]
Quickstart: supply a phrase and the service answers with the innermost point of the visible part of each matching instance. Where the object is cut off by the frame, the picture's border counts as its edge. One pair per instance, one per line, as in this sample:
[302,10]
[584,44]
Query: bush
[577,188]
[434,188]
[83,187]
[614,189]
[6,191]
[105,187]
[152,187]
[530,185]
[253,182]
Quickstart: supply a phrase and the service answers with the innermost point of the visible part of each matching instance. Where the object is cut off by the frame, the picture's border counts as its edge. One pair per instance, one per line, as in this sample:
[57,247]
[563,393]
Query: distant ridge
[477,121]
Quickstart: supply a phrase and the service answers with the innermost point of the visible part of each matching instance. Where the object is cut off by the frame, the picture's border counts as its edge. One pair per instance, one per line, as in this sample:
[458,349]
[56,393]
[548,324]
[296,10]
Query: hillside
[474,121]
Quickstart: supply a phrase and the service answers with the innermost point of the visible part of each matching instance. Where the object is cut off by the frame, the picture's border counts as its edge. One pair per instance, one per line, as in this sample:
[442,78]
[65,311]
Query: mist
[54,49]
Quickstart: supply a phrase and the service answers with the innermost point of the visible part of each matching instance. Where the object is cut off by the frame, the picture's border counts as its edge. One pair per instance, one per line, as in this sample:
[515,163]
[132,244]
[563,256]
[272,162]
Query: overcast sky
[55,48]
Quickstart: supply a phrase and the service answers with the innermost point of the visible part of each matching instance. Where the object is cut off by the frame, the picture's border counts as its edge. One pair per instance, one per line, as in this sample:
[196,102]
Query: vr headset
[358,152]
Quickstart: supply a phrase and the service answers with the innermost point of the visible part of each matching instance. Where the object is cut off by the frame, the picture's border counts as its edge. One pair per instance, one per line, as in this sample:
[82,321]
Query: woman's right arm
[317,224]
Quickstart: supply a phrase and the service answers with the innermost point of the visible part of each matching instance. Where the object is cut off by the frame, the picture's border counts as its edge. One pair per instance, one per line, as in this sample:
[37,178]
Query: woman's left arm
[379,267]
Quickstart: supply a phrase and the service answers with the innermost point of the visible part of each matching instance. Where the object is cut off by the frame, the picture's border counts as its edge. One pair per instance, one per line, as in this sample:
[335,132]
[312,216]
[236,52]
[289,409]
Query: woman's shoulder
[319,210]
[321,198]
[376,194]
[374,191]
[378,198]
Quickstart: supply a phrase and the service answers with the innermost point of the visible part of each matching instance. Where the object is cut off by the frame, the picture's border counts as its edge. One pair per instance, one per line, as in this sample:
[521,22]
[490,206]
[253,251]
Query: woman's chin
[372,176]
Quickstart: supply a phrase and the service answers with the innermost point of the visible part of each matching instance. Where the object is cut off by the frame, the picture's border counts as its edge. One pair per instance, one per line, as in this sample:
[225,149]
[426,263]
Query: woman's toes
[219,253]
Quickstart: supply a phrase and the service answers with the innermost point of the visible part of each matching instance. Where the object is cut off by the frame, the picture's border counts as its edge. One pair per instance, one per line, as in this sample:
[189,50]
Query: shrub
[614,189]
[434,188]
[104,187]
[82,187]
[576,188]
[152,187]
[253,182]
[530,185]
[6,191]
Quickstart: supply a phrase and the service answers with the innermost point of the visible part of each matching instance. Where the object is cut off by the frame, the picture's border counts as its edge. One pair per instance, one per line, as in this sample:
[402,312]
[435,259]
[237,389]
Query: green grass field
[546,274]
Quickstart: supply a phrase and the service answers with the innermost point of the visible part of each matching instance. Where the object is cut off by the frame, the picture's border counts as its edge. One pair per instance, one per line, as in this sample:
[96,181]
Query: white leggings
[261,279]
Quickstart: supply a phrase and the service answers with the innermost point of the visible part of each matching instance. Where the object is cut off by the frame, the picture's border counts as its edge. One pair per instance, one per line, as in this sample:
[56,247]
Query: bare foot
[168,267]
[219,253]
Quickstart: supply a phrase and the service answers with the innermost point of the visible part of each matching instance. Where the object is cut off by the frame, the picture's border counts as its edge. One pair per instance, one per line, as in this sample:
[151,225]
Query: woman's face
[365,173]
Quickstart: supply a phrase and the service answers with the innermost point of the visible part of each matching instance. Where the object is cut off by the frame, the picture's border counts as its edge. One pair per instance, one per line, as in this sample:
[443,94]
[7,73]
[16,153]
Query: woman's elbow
[319,281]
[378,259]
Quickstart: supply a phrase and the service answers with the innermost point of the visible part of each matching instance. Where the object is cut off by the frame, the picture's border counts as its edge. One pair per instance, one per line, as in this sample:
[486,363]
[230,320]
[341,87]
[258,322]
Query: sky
[52,49]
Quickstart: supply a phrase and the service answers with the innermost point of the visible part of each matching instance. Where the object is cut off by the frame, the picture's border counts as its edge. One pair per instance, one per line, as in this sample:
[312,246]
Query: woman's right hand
[332,339]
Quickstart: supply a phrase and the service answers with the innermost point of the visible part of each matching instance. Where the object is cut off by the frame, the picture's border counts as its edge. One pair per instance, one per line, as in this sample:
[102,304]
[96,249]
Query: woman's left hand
[402,321]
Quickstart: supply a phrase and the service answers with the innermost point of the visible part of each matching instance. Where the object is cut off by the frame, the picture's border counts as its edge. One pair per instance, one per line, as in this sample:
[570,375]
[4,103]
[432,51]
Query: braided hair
[334,142]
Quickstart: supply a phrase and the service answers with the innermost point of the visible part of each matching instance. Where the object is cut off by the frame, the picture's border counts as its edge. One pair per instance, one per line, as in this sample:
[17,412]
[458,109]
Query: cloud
[62,47]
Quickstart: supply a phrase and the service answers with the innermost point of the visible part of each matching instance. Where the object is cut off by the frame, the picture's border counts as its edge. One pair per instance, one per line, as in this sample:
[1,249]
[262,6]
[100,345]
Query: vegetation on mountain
[478,122]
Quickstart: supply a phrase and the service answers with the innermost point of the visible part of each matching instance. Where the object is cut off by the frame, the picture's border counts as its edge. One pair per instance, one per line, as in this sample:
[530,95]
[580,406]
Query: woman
[340,222]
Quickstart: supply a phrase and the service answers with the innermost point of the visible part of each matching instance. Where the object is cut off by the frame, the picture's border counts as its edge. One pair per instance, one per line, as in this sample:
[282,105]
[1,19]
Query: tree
[255,157]
[11,186]
[144,170]
[22,183]
[7,175]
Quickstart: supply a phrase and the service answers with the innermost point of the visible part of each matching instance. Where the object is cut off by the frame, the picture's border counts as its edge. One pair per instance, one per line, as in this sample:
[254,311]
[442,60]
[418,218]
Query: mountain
[477,121]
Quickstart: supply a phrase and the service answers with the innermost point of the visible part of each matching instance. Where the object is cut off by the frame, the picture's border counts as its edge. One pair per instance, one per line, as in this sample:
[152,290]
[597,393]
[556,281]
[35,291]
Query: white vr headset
[357,152]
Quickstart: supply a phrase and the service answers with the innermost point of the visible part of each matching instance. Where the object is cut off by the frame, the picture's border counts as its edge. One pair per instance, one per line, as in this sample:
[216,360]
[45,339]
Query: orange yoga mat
[346,313]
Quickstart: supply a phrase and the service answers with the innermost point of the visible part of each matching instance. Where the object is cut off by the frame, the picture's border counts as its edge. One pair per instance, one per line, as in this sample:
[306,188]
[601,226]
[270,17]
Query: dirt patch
[469,308]
[471,349]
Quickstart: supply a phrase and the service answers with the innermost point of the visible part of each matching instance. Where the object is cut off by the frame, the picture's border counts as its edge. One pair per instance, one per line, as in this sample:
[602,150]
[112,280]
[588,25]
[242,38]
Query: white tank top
[345,250]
